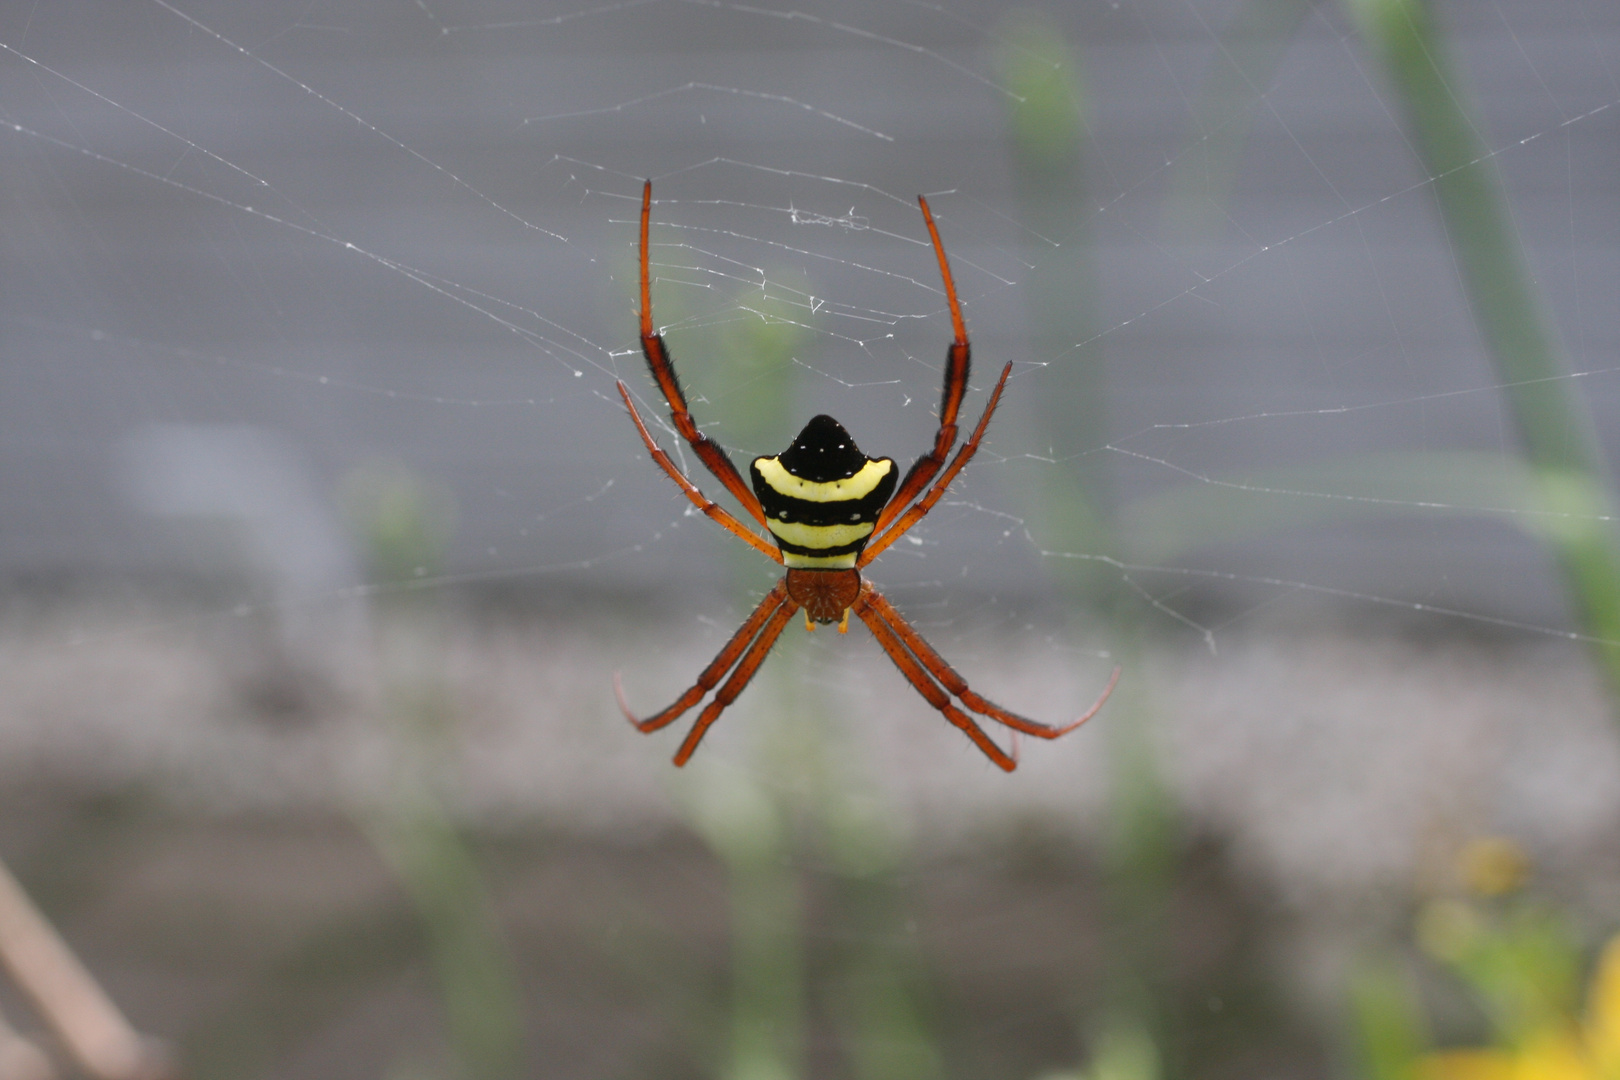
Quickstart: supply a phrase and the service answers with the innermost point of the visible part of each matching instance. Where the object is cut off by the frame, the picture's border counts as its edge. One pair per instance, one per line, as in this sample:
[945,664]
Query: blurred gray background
[250,249]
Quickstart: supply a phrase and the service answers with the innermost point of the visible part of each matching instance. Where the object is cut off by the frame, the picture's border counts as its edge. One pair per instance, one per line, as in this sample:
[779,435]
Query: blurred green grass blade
[1165,527]
[1046,121]
[1557,430]
[1387,1021]
[1068,505]
[1125,1051]
[746,823]
[407,523]
[1252,44]
[477,984]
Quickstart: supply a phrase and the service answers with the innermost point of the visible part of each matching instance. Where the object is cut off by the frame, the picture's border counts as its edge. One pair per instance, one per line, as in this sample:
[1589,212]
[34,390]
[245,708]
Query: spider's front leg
[709,452]
[714,511]
[899,525]
[958,365]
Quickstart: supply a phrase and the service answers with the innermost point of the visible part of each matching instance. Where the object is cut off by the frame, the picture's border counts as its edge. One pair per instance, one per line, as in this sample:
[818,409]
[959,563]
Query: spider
[830,510]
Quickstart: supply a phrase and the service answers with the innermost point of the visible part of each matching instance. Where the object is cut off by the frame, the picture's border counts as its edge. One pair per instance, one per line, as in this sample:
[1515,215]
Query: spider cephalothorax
[830,510]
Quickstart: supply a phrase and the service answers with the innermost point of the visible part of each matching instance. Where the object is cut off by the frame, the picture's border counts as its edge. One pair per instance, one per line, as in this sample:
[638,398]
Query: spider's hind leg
[723,662]
[922,666]
[738,682]
[940,669]
[925,685]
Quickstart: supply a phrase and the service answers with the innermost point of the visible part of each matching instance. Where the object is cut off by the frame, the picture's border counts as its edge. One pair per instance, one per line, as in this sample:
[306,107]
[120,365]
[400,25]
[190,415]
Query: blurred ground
[1330,752]
[186,805]
[278,946]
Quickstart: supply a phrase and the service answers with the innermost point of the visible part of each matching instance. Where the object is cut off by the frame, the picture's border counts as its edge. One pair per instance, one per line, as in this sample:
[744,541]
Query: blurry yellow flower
[1589,1051]
[1602,1029]
[1493,865]
[1549,1057]
[1466,1065]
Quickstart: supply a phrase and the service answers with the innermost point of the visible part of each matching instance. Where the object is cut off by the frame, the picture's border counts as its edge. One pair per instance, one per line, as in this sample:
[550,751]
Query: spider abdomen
[822,496]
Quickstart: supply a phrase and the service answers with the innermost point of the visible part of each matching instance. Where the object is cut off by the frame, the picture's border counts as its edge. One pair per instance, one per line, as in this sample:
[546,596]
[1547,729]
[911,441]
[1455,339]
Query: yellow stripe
[855,487]
[819,536]
[818,562]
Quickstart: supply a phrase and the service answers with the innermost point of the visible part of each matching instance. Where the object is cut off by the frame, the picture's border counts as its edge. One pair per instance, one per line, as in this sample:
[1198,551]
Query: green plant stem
[767,968]
[1069,508]
[1559,437]
[744,823]
[408,523]
[1386,1020]
[1252,42]
[478,987]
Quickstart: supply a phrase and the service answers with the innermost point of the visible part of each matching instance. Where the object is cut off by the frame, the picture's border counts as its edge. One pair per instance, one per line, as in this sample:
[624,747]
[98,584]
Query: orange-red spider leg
[739,679]
[920,681]
[880,544]
[717,513]
[958,363]
[717,668]
[663,372]
[948,677]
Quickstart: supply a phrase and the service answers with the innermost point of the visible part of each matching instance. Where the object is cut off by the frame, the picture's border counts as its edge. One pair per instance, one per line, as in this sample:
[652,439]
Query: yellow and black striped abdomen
[822,496]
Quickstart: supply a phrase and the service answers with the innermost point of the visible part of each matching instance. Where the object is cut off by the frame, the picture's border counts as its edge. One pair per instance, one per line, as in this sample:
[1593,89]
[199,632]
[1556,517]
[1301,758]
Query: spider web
[253,253]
